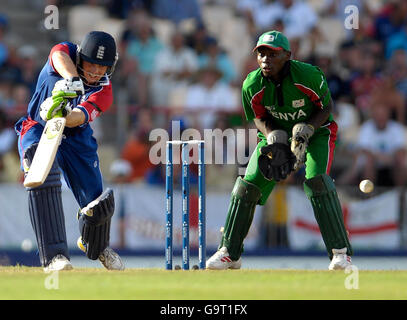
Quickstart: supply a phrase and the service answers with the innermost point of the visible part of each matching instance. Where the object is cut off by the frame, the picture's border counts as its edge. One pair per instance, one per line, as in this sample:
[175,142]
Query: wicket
[185,203]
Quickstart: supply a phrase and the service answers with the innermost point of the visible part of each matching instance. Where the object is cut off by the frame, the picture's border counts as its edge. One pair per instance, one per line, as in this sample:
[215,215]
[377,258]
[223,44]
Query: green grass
[157,284]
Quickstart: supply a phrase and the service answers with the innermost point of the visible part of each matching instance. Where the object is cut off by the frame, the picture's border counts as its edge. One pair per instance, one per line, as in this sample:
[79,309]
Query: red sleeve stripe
[257,107]
[333,129]
[58,47]
[90,109]
[98,102]
[311,94]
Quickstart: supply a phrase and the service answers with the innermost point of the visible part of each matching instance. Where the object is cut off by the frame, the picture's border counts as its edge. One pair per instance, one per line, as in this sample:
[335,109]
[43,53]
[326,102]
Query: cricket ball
[366,186]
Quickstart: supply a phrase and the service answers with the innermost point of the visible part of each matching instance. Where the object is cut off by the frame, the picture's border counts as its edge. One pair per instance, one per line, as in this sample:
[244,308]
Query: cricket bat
[45,154]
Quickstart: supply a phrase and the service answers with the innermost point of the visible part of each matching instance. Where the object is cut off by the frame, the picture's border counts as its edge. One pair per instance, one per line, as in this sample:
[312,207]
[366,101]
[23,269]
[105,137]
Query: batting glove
[55,107]
[70,88]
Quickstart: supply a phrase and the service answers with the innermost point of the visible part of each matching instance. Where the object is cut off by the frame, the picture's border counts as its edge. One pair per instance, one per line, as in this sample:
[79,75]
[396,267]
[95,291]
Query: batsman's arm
[75,118]
[64,65]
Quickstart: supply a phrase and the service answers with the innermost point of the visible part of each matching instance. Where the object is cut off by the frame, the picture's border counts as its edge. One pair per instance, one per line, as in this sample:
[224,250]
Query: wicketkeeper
[290,104]
[74,83]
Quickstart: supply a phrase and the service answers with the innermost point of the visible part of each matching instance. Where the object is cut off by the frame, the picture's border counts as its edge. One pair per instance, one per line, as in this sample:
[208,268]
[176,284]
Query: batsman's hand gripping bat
[46,151]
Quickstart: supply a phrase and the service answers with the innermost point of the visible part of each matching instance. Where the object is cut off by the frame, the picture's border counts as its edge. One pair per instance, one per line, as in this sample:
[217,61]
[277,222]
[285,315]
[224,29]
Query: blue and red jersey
[77,154]
[95,100]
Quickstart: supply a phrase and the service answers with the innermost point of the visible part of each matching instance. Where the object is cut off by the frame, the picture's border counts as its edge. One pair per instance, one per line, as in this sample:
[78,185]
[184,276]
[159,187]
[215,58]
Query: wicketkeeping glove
[276,161]
[301,134]
[55,106]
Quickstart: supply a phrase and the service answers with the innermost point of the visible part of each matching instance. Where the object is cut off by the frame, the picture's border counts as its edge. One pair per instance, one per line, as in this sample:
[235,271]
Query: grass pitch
[157,284]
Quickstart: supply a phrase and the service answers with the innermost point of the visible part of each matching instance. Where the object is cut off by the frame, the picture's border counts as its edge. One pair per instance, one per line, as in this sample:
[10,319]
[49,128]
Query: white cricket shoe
[222,261]
[58,263]
[111,260]
[340,260]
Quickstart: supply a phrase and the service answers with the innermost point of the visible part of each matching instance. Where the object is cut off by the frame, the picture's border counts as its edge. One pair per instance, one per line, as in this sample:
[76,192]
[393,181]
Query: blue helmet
[98,47]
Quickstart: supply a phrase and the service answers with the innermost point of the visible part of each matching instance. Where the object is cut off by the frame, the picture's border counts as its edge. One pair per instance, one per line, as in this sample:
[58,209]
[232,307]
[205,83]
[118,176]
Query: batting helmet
[98,47]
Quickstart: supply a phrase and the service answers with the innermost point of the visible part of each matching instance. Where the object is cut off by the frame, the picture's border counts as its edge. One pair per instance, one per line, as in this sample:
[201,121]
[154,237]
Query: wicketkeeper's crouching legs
[328,213]
[47,215]
[94,227]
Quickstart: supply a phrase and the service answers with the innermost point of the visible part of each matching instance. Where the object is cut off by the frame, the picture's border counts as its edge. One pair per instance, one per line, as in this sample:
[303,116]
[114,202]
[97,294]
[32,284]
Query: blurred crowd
[186,60]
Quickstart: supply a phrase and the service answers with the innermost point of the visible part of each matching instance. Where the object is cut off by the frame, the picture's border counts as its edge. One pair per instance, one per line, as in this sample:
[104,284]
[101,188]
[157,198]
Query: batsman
[291,106]
[75,84]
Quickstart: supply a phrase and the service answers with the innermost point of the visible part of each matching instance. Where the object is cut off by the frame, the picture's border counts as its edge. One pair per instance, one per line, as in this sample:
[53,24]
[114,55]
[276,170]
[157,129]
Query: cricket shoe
[222,261]
[108,258]
[340,260]
[58,263]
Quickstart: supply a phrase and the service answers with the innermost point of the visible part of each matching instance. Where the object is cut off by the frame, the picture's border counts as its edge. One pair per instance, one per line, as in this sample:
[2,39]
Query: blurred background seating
[186,60]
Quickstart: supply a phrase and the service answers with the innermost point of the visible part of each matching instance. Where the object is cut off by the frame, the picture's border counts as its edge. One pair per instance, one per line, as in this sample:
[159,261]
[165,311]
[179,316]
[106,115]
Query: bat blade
[45,153]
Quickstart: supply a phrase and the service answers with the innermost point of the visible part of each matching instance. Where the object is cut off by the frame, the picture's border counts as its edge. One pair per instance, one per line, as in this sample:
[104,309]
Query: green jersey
[303,89]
